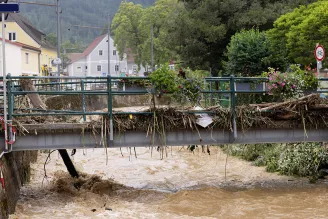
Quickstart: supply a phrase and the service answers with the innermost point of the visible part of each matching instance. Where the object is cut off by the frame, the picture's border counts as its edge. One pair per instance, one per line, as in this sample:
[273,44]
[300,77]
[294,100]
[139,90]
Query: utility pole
[4,78]
[152,48]
[108,33]
[58,35]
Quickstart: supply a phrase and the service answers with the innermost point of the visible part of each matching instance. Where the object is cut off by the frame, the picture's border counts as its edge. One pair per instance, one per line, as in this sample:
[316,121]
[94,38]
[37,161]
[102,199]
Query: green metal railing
[215,89]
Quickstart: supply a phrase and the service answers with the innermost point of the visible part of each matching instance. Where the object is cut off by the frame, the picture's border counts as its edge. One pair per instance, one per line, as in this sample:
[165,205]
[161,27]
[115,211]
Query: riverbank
[182,185]
[15,170]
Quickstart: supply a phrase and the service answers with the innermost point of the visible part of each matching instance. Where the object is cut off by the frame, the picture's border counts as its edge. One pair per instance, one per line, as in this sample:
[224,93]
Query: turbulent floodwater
[182,185]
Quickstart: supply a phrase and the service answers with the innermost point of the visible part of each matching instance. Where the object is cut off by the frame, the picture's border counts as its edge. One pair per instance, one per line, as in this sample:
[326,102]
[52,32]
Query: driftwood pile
[307,111]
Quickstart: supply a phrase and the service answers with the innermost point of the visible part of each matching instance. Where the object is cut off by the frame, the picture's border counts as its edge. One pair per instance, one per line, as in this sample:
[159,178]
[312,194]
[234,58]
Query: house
[94,60]
[21,59]
[13,58]
[132,68]
[36,49]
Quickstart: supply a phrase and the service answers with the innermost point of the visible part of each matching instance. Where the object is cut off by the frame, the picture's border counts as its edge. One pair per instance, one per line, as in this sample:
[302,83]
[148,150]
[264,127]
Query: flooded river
[182,185]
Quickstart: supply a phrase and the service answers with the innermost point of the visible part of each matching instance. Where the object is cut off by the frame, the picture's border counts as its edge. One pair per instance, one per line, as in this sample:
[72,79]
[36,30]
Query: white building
[94,60]
[13,58]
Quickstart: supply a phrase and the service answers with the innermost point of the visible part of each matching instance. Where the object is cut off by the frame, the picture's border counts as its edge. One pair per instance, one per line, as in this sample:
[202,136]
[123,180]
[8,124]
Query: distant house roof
[87,51]
[26,25]
[74,56]
[21,45]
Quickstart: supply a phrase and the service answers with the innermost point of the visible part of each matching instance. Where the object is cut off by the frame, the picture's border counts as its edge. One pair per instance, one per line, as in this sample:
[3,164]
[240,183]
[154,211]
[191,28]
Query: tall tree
[128,33]
[295,34]
[246,53]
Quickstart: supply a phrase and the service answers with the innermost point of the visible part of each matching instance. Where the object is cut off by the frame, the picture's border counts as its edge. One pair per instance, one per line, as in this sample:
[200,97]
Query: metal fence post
[83,100]
[110,107]
[10,98]
[233,105]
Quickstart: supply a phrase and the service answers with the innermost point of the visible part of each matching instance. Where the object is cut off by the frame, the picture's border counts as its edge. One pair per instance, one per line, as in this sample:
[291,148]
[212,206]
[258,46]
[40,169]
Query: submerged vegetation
[295,159]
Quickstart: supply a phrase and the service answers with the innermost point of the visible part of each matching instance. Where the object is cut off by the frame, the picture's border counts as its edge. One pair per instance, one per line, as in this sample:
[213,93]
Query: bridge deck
[70,140]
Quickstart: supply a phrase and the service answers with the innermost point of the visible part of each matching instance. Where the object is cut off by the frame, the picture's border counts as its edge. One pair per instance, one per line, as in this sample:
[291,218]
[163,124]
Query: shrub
[285,85]
[164,80]
[302,159]
[290,84]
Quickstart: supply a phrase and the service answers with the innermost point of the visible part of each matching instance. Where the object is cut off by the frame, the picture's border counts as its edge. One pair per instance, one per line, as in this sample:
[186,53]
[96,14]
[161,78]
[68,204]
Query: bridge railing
[225,91]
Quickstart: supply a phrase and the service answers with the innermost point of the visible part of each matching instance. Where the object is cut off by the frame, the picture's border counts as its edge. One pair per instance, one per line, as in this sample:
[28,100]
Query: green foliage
[189,90]
[184,90]
[164,80]
[295,34]
[132,30]
[310,81]
[284,85]
[302,159]
[287,85]
[246,52]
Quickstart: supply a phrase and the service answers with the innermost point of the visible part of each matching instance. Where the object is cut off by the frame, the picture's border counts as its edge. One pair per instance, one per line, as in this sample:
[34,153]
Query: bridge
[62,134]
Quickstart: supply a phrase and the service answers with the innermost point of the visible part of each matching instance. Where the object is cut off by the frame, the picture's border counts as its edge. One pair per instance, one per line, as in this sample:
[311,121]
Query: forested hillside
[74,12]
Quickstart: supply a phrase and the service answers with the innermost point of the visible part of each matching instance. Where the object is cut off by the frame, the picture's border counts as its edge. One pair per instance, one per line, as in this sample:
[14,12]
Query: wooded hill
[74,12]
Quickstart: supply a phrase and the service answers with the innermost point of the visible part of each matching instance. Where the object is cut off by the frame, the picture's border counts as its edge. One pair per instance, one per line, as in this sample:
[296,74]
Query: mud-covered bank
[16,171]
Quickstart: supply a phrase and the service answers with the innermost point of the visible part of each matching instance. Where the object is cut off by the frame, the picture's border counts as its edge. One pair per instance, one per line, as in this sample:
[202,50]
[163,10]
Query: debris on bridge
[307,111]
[35,99]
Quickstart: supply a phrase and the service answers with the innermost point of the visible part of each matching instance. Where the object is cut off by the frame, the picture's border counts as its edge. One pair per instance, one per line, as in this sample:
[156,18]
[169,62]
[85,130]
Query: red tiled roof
[74,56]
[28,47]
[22,45]
[90,48]
[11,42]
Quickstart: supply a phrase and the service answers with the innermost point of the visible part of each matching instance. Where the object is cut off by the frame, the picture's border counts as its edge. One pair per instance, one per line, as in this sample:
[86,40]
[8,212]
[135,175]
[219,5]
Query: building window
[117,68]
[114,52]
[78,69]
[98,67]
[100,52]
[27,57]
[12,36]
[86,67]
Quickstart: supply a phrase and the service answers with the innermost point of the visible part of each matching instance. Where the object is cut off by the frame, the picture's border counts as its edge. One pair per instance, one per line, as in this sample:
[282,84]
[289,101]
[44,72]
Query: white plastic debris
[204,119]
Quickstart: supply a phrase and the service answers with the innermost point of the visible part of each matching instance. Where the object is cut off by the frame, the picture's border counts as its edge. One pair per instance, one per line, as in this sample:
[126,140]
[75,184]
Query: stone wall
[16,172]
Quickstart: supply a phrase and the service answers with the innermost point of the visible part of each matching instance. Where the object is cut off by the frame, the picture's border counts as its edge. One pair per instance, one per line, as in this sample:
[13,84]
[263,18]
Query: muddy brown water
[182,185]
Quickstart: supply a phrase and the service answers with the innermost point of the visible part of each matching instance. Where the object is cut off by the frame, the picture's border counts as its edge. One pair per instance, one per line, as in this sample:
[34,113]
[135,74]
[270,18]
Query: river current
[182,185]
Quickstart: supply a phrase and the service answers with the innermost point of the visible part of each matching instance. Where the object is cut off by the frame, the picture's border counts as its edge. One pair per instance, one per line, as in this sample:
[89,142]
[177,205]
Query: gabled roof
[26,25]
[10,42]
[88,50]
[74,56]
[22,45]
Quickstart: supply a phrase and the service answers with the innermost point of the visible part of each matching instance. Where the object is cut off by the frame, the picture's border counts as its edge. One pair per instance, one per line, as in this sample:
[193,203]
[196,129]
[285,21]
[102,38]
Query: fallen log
[289,102]
[27,85]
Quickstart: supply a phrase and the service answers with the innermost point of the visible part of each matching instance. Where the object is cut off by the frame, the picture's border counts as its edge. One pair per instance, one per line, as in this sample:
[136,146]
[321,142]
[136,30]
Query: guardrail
[214,93]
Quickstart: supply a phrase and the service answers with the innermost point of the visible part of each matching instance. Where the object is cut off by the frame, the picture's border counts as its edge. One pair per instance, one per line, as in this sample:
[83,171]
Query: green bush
[164,80]
[302,159]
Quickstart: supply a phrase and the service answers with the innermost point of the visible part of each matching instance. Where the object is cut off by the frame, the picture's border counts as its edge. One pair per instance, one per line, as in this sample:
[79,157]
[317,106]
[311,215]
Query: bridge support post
[83,100]
[68,163]
[233,107]
[110,109]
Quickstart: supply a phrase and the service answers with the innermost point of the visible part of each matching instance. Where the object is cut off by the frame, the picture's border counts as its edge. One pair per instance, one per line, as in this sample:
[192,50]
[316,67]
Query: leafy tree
[206,26]
[246,52]
[128,34]
[295,34]
[132,28]
[52,39]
